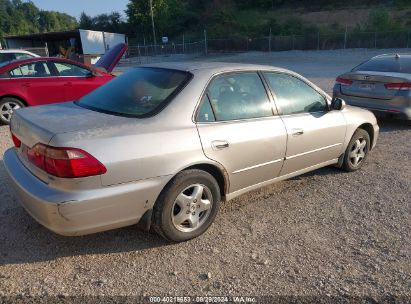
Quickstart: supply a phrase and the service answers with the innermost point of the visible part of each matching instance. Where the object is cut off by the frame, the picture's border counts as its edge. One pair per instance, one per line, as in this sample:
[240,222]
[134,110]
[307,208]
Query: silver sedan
[164,145]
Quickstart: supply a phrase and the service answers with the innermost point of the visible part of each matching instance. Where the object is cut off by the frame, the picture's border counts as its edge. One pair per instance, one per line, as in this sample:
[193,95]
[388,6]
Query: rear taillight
[398,86]
[64,162]
[16,141]
[343,81]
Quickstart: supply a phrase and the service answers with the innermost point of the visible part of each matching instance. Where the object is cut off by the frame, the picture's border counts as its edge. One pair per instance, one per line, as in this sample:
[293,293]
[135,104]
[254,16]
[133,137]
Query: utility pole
[152,25]
[205,43]
[345,37]
[269,42]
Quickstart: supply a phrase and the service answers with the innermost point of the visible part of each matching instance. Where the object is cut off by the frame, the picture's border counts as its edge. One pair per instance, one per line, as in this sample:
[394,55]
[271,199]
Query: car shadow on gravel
[393,125]
[23,240]
[30,242]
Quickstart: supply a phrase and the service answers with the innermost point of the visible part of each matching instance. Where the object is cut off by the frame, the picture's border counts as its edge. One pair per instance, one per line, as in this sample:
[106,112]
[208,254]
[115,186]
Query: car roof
[393,55]
[213,66]
[17,51]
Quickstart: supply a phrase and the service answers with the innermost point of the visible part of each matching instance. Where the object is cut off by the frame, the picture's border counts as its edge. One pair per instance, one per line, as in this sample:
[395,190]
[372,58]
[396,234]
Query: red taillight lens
[16,141]
[65,162]
[398,86]
[343,81]
[36,155]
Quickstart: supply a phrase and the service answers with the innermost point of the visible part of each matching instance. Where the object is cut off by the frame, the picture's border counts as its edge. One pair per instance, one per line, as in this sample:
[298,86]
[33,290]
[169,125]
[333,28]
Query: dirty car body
[169,119]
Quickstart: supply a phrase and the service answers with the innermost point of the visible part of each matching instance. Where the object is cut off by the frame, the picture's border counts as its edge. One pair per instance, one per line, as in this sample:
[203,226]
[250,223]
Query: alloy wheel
[7,109]
[358,152]
[192,207]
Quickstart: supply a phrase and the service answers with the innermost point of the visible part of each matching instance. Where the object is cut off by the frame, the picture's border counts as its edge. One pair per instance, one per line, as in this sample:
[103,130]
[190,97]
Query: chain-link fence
[312,41]
[140,54]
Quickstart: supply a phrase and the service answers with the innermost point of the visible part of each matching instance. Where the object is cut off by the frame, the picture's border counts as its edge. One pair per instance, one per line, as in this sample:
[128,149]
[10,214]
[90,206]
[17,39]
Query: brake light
[16,141]
[65,162]
[398,86]
[343,81]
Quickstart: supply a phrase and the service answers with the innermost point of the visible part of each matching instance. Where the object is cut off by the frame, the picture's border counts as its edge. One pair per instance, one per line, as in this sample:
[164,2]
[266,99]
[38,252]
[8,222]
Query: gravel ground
[326,235]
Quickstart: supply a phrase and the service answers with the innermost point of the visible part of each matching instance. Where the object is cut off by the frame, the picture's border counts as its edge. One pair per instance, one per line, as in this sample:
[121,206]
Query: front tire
[7,107]
[187,206]
[357,151]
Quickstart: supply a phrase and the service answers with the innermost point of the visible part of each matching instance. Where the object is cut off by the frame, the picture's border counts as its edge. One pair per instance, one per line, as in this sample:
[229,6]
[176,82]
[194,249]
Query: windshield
[386,64]
[139,92]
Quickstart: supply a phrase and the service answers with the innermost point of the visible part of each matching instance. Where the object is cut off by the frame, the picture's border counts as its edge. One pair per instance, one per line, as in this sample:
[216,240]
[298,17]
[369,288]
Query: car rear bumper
[81,212]
[379,106]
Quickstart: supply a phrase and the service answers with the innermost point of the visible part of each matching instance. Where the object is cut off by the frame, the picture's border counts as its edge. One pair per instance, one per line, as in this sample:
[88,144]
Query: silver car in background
[163,145]
[381,84]
[11,55]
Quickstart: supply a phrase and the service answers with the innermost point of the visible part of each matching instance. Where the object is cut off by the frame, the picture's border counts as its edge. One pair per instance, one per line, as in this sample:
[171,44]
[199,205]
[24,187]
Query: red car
[38,81]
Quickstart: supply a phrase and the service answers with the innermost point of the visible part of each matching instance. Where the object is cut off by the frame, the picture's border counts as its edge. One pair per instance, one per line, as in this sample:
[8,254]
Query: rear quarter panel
[132,153]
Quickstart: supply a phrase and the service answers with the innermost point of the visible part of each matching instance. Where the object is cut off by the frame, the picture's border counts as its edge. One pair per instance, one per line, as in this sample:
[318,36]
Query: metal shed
[84,45]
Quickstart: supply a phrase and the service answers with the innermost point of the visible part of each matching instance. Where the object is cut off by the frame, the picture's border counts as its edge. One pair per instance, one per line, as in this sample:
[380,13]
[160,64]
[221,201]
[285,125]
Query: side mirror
[91,74]
[338,104]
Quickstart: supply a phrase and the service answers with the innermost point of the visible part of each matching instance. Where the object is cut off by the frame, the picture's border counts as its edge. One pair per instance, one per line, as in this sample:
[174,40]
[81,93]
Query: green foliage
[245,18]
[171,16]
[104,22]
[380,20]
[18,17]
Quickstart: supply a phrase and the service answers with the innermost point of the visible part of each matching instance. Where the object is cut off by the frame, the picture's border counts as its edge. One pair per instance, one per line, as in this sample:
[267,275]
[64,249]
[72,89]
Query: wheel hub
[191,208]
[358,151]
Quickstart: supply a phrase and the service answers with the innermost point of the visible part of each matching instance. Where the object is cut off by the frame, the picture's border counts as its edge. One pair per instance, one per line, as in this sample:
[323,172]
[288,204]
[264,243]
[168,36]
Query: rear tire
[187,206]
[7,107]
[357,151]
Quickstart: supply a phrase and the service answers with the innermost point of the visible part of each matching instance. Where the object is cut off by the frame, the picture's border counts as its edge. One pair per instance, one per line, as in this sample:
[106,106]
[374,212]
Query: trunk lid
[42,124]
[372,84]
[39,124]
[111,58]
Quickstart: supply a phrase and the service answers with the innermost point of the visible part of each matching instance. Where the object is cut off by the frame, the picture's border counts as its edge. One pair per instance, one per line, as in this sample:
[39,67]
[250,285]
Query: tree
[18,17]
[86,22]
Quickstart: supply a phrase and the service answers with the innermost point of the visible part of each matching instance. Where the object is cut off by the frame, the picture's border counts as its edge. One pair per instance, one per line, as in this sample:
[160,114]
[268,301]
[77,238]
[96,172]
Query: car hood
[111,58]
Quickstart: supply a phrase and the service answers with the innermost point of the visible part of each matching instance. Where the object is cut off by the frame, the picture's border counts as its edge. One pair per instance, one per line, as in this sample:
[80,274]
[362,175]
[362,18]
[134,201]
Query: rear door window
[239,96]
[33,69]
[205,111]
[294,96]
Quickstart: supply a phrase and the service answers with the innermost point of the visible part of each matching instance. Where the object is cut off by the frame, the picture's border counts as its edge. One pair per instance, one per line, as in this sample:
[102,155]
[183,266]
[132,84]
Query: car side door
[38,82]
[239,129]
[77,80]
[315,133]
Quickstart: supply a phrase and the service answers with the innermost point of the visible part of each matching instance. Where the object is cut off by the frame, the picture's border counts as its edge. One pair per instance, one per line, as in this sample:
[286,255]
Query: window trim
[274,110]
[275,97]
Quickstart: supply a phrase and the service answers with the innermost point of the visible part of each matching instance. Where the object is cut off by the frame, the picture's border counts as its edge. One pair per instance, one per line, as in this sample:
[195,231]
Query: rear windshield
[139,92]
[6,57]
[386,64]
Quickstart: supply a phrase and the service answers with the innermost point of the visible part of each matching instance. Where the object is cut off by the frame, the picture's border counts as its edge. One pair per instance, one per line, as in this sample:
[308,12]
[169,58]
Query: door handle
[297,132]
[219,144]
[67,84]
[26,84]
